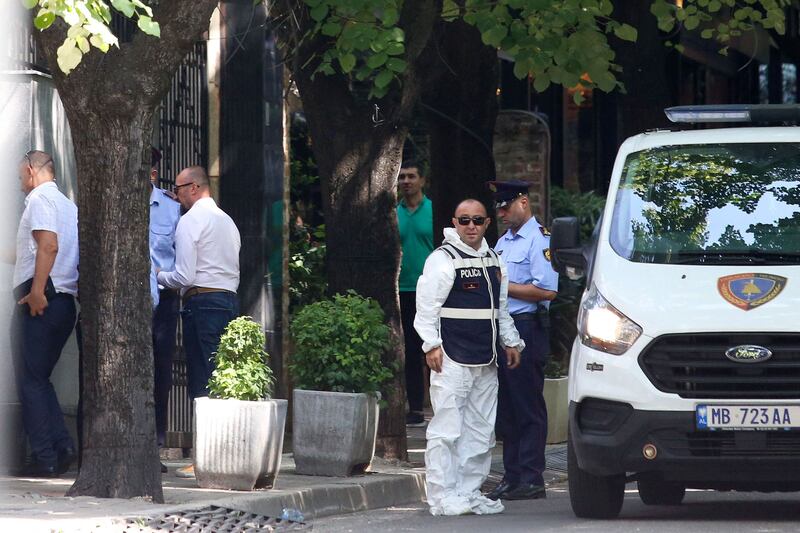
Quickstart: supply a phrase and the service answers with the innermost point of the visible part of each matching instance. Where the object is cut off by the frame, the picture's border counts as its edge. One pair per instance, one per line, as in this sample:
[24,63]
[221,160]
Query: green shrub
[241,370]
[338,345]
[586,207]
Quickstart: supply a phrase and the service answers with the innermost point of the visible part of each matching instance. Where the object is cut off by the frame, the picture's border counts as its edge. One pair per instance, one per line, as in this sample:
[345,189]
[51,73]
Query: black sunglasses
[177,187]
[465,220]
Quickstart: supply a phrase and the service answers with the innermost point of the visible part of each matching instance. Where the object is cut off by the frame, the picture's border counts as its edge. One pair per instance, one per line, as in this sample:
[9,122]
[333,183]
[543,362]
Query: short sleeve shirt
[527,255]
[416,239]
[47,209]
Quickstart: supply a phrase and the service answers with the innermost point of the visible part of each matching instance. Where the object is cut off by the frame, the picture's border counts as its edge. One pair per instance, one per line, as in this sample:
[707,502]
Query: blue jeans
[204,319]
[165,325]
[36,345]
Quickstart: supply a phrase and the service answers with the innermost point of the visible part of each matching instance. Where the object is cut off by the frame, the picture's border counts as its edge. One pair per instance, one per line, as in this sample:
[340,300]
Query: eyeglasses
[178,187]
[465,220]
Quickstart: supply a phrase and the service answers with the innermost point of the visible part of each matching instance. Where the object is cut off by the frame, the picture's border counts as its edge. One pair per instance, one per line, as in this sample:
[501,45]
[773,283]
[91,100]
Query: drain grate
[214,520]
[557,459]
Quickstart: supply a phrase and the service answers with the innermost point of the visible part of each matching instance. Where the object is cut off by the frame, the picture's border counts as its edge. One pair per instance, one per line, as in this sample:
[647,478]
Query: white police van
[686,369]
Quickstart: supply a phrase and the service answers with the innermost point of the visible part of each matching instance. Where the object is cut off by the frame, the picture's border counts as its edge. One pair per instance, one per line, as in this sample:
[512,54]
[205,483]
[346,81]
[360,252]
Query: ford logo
[748,353]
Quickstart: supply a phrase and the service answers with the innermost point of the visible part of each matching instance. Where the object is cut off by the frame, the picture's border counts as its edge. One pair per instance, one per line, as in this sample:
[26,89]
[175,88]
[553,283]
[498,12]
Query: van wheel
[655,492]
[593,496]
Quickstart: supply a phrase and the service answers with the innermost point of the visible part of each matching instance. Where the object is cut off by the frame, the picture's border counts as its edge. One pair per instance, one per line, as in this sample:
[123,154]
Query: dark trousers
[415,380]
[204,319]
[165,326]
[36,345]
[521,411]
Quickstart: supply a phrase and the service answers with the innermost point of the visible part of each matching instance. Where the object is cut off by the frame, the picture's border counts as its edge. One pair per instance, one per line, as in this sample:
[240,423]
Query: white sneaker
[483,505]
[451,506]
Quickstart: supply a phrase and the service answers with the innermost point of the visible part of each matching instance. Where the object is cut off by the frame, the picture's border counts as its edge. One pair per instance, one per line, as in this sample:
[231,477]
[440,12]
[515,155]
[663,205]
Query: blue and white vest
[468,320]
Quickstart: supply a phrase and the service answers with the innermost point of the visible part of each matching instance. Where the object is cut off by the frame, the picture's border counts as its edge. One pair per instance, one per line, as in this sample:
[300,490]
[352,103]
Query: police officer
[521,412]
[462,317]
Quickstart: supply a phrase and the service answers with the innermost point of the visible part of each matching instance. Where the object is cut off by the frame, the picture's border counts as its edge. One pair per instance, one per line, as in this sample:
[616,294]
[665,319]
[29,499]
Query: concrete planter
[556,398]
[238,444]
[333,433]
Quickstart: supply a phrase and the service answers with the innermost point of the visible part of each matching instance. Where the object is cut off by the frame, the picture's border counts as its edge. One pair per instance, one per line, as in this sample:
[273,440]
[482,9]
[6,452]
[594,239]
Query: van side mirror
[567,254]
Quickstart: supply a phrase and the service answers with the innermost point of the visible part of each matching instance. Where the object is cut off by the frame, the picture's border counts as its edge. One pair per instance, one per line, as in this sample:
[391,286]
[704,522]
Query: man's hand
[512,357]
[434,359]
[36,302]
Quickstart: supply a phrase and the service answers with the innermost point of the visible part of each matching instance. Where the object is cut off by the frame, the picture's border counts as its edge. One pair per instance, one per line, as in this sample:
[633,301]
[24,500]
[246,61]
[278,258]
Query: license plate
[747,416]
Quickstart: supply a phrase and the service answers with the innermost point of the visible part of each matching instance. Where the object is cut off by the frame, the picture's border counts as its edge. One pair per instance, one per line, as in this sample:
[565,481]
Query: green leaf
[124,6]
[395,49]
[347,62]
[319,12]
[44,20]
[626,32]
[377,60]
[390,17]
[331,29]
[396,65]
[149,26]
[541,82]
[30,4]
[83,44]
[383,79]
[68,56]
[99,43]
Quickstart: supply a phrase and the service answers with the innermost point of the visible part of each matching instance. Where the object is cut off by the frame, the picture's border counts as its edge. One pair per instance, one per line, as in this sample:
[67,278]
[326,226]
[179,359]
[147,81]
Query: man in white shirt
[45,286]
[462,319]
[206,271]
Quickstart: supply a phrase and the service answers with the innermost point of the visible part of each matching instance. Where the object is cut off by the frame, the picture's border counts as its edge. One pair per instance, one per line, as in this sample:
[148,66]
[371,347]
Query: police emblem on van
[748,291]
[748,353]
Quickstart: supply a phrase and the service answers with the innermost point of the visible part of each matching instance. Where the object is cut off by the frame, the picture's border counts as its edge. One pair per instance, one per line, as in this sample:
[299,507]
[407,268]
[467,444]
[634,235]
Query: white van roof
[655,139]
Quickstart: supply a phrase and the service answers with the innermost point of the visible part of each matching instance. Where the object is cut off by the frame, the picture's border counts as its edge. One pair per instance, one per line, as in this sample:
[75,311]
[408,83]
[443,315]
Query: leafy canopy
[241,371]
[88,22]
[554,41]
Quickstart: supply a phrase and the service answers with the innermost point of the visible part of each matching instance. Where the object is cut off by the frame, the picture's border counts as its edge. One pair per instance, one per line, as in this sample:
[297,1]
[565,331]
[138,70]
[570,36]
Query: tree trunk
[359,158]
[461,109]
[109,101]
[119,457]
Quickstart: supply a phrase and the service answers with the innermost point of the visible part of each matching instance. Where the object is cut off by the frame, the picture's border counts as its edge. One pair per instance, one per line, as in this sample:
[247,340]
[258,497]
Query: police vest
[468,320]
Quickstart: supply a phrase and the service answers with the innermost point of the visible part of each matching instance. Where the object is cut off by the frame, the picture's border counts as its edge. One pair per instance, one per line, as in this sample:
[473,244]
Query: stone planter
[238,444]
[556,398]
[333,433]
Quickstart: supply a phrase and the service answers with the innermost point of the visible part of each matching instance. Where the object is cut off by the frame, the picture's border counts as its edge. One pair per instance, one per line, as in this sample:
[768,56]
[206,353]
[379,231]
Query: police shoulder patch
[546,253]
[545,232]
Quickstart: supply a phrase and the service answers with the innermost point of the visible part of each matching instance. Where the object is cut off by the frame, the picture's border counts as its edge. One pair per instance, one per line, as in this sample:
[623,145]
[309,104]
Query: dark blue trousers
[415,365]
[165,326]
[36,344]
[204,319]
[521,411]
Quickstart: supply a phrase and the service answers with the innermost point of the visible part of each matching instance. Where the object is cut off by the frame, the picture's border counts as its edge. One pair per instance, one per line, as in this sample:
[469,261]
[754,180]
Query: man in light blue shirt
[164,215]
[521,411]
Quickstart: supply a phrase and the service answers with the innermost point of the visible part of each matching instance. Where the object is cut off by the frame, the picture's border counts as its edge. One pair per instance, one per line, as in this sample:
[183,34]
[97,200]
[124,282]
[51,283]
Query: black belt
[525,316]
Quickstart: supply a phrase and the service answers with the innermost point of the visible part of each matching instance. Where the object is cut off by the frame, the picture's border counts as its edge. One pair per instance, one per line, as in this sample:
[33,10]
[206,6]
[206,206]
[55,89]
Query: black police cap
[504,192]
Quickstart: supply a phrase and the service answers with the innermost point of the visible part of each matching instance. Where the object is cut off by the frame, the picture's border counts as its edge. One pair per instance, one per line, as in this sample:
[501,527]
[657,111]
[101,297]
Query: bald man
[462,318]
[206,272]
[45,286]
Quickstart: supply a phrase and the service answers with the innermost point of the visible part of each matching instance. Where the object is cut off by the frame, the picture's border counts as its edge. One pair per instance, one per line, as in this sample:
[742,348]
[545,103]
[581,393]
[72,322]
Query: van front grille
[695,366]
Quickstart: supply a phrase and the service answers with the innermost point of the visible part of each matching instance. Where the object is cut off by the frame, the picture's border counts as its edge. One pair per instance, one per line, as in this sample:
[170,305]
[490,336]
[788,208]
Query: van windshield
[711,204]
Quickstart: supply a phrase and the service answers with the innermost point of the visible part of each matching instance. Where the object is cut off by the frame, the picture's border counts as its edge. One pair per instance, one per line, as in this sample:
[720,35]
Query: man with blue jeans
[206,271]
[45,286]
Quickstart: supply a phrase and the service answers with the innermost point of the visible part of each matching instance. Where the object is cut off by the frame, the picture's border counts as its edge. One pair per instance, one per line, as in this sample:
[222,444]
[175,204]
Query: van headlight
[602,327]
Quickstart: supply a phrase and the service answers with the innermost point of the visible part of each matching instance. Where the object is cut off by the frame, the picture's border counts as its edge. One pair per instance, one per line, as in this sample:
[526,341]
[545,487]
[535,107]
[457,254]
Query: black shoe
[500,490]
[34,468]
[526,491]
[415,420]
[65,459]
[164,469]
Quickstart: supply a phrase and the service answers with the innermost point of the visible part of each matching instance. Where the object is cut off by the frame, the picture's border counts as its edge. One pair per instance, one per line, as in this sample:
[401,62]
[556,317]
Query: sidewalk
[34,505]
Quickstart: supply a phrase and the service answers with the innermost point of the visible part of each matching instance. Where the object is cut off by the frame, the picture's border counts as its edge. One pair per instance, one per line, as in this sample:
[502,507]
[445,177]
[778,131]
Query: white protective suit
[461,434]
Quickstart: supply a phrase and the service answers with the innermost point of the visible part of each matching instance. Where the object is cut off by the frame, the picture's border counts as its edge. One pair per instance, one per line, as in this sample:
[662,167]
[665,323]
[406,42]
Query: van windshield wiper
[752,256]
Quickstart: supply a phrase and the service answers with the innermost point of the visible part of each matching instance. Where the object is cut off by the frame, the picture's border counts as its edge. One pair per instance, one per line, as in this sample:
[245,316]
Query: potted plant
[556,398]
[238,432]
[337,369]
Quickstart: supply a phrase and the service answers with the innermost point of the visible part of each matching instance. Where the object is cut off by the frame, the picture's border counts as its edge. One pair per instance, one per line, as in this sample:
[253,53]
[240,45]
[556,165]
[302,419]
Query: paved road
[703,511]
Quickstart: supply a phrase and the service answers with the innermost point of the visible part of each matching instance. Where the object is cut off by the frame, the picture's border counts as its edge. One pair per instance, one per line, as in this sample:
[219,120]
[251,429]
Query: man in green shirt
[415,221]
